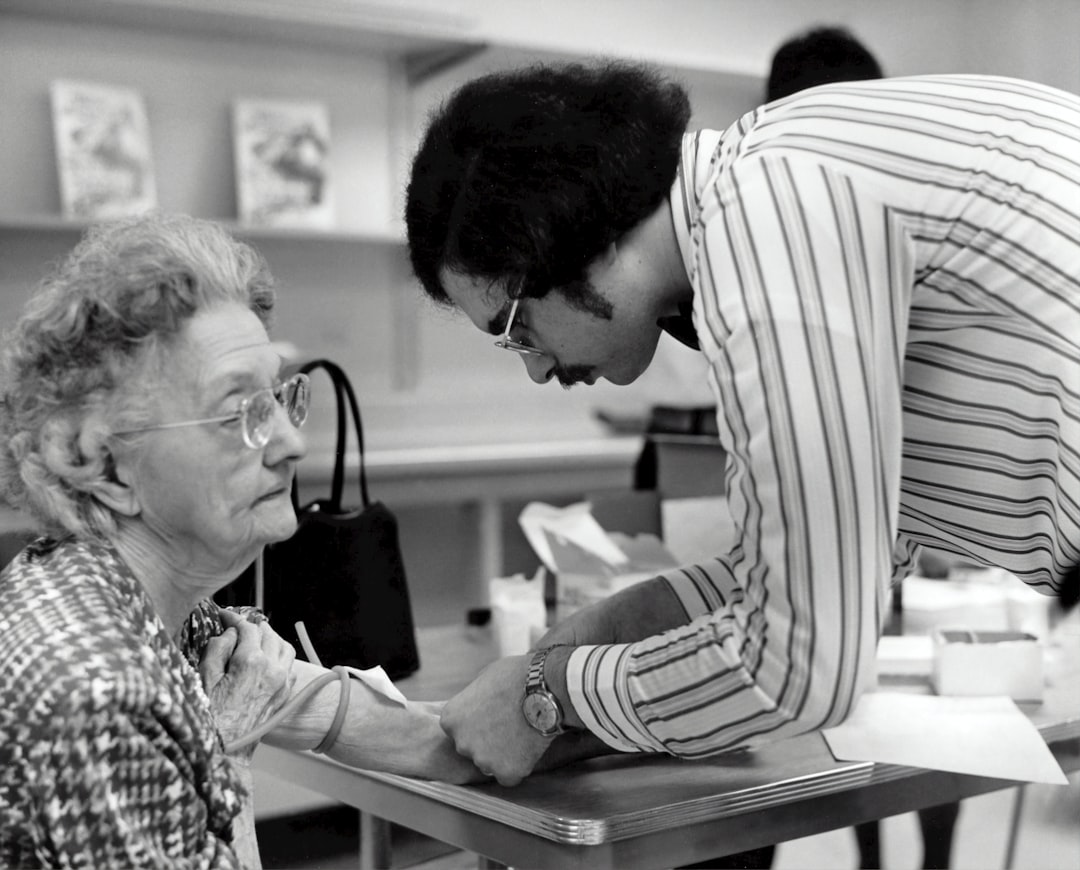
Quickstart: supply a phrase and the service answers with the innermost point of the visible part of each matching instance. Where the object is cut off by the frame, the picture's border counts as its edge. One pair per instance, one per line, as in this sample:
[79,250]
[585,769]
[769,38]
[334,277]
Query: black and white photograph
[612,435]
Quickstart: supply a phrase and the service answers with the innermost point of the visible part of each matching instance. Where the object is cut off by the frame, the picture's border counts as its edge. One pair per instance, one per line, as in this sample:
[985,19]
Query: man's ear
[602,262]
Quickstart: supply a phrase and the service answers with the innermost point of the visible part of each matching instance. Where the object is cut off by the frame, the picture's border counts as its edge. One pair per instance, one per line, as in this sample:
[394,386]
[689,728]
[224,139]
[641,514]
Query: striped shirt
[886,284]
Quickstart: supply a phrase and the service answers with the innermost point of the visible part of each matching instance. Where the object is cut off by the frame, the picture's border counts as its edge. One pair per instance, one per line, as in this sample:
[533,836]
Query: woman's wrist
[306,727]
[344,692]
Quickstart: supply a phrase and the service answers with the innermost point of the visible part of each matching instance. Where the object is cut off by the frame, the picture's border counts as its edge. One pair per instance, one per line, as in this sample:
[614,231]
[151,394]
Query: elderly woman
[145,424]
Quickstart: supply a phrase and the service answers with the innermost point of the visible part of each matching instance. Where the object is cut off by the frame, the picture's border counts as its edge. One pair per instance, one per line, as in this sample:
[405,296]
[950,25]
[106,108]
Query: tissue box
[967,662]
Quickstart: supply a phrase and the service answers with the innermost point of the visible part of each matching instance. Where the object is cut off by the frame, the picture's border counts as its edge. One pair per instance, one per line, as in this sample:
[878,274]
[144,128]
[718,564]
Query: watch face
[540,712]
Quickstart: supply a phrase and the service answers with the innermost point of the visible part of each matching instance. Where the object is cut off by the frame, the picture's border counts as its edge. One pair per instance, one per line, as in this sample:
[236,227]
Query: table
[644,812]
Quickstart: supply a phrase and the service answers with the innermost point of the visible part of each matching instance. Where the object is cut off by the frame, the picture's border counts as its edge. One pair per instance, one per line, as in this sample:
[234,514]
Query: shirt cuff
[598,686]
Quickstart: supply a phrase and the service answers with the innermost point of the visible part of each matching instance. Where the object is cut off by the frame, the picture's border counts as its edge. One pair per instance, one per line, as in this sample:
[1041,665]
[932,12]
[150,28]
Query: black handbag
[342,573]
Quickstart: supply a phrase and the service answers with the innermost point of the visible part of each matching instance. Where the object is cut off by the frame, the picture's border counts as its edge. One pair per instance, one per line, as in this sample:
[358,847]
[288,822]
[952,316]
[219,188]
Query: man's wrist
[555,676]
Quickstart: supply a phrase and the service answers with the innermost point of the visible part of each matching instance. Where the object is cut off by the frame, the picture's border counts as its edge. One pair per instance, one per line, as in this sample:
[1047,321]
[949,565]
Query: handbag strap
[342,391]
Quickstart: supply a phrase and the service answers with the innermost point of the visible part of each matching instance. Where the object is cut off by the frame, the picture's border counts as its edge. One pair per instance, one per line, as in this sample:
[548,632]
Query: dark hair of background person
[817,57]
[527,176]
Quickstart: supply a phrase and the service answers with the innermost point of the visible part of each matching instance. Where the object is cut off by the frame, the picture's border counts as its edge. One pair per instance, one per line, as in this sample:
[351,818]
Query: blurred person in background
[819,56]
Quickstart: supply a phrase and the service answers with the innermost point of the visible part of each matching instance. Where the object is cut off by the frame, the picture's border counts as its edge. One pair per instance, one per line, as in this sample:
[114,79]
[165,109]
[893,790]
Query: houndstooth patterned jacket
[109,755]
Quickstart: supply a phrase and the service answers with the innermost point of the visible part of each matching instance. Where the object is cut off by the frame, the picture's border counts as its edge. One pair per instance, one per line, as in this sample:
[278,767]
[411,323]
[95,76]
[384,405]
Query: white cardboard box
[969,662]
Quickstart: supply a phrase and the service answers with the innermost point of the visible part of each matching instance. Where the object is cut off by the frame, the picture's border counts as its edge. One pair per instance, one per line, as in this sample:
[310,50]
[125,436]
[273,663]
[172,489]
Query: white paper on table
[983,736]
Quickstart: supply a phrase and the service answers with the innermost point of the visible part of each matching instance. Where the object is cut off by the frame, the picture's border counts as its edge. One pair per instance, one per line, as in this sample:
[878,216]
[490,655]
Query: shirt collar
[683,205]
[683,201]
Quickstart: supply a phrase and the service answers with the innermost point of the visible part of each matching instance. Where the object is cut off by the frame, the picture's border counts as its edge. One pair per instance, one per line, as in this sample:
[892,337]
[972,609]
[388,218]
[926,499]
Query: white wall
[1036,39]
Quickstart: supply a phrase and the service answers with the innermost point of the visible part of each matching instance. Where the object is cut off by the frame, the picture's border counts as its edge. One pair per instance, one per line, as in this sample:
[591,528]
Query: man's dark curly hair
[525,177]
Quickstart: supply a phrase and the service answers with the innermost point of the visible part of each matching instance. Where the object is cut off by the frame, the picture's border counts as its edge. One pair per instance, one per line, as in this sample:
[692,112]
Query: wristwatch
[541,708]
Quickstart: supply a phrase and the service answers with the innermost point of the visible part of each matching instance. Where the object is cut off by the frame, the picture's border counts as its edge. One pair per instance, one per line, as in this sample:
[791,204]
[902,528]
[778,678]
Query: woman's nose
[541,367]
[286,439]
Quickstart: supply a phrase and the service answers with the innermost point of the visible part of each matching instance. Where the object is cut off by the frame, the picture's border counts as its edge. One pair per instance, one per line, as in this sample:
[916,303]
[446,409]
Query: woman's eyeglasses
[256,412]
[507,343]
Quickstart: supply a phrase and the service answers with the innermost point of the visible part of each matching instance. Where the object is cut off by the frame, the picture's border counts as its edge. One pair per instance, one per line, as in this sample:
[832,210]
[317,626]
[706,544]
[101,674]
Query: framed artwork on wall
[103,154]
[282,151]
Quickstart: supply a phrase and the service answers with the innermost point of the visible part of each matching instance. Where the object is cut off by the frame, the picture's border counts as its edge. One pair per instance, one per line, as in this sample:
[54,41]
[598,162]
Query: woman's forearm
[378,733]
[245,843]
[405,740]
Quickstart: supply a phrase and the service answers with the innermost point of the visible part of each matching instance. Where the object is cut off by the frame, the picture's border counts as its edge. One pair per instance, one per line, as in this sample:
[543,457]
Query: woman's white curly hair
[78,365]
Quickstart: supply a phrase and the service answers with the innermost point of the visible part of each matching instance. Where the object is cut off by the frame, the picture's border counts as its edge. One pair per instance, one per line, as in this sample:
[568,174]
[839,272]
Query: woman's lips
[272,494]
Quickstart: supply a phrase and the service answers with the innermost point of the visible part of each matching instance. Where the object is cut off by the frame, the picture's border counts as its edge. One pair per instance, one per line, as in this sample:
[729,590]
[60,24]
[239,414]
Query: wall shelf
[386,28]
[55,224]
[429,40]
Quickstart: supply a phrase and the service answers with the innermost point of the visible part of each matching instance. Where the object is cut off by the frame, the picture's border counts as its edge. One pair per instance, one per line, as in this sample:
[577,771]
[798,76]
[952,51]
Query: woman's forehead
[225,342]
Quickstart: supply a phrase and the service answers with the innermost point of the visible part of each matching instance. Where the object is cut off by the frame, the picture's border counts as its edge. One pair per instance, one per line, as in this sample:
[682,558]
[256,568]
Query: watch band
[535,677]
[540,707]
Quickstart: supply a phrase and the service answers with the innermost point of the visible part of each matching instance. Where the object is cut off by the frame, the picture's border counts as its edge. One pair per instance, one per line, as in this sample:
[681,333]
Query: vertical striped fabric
[887,289]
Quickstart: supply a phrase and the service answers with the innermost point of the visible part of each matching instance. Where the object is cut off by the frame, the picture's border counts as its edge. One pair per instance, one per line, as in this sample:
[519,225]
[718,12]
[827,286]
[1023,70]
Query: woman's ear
[108,475]
[112,491]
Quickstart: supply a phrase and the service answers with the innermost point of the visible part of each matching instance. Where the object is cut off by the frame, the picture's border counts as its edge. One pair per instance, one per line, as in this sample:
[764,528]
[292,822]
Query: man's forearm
[640,611]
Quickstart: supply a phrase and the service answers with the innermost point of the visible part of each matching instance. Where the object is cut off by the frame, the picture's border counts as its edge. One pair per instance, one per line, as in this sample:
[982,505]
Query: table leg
[375,847]
[483,863]
[1014,828]
[490,534]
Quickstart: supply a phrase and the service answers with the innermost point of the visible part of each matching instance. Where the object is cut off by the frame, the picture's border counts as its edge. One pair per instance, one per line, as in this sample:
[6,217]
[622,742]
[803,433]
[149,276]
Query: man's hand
[485,722]
[247,673]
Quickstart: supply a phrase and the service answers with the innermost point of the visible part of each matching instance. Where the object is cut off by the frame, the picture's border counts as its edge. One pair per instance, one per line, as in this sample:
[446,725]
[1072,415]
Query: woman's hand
[247,673]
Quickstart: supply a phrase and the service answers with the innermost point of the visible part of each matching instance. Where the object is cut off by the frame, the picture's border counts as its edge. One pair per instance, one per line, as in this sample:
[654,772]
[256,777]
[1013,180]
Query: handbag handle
[342,390]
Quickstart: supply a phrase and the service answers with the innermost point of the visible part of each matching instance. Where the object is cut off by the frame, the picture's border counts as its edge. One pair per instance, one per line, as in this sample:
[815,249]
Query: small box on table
[970,662]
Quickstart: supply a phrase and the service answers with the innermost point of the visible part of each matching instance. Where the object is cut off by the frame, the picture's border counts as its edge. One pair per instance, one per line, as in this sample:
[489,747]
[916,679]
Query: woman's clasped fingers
[247,671]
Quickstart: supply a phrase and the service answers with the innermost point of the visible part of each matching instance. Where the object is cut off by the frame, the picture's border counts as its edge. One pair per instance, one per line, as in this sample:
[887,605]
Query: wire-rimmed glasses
[256,412]
[507,343]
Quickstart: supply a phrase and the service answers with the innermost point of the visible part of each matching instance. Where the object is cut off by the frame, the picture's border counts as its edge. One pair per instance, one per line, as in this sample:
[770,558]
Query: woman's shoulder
[69,633]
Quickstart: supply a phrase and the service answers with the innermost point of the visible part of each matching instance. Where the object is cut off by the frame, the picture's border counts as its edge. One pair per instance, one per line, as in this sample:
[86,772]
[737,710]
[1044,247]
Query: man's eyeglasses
[507,343]
[256,412]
